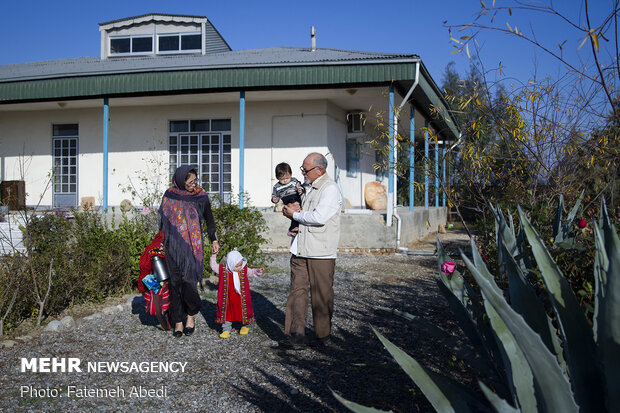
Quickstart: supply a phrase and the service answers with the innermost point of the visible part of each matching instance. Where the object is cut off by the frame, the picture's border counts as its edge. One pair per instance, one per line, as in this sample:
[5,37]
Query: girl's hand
[215,247]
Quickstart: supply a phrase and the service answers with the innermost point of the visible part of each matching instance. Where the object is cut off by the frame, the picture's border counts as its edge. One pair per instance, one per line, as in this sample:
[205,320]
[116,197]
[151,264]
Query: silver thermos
[159,268]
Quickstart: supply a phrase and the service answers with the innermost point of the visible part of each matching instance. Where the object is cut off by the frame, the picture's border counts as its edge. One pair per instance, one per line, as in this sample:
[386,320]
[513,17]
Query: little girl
[233,295]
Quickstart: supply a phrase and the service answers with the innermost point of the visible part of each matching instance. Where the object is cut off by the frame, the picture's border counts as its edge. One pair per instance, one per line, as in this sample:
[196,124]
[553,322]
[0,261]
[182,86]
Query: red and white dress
[232,306]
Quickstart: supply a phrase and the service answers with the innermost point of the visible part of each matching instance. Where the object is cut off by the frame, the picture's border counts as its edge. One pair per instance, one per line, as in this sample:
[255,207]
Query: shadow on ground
[356,365]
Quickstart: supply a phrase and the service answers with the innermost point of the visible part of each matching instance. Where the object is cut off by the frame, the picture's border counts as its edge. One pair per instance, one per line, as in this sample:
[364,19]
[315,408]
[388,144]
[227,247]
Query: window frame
[180,37]
[131,52]
[204,140]
[62,138]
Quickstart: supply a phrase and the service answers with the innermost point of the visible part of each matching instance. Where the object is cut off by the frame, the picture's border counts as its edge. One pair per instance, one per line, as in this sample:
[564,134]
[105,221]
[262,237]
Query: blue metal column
[411,157]
[241,146]
[391,156]
[106,120]
[445,181]
[426,165]
[436,173]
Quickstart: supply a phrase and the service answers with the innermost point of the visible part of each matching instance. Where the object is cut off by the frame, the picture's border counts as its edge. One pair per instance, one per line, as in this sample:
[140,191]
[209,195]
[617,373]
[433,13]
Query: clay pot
[375,195]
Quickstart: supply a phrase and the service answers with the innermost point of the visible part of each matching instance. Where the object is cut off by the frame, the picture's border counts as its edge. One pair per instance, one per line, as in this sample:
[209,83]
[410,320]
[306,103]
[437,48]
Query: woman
[182,206]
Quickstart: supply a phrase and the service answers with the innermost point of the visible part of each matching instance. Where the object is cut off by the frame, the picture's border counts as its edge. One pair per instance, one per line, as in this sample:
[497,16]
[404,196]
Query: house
[169,90]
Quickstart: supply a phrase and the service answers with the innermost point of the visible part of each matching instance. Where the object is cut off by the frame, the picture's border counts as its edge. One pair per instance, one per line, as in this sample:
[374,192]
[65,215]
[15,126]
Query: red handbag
[158,304]
[155,304]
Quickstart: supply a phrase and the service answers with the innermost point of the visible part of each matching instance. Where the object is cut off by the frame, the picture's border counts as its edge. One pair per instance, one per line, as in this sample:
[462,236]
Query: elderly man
[313,251]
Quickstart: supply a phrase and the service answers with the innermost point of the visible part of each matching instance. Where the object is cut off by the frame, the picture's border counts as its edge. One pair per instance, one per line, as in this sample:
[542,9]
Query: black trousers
[290,199]
[184,296]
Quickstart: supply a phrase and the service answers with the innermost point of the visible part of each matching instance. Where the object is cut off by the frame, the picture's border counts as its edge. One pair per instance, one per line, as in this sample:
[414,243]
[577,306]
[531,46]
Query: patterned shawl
[180,214]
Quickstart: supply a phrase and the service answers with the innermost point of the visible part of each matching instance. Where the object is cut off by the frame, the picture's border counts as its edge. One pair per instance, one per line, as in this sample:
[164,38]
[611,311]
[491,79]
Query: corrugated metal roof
[257,69]
[279,56]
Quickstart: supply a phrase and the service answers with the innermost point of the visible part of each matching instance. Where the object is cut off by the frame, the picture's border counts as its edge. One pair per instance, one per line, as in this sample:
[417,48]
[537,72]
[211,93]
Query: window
[179,43]
[64,159]
[191,42]
[119,46]
[206,145]
[353,157]
[131,45]
[355,122]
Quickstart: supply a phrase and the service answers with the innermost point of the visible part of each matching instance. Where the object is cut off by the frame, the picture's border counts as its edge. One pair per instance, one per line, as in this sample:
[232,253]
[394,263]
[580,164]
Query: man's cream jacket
[320,239]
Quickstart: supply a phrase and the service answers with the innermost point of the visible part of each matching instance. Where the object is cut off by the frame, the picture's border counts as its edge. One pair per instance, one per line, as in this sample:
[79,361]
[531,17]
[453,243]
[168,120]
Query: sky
[46,30]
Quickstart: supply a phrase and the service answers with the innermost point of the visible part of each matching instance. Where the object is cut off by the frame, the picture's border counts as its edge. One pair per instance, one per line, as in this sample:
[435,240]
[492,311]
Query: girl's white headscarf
[232,259]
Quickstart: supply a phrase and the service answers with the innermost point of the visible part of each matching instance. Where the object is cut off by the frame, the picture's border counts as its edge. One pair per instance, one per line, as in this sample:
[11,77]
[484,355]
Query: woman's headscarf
[232,259]
[180,213]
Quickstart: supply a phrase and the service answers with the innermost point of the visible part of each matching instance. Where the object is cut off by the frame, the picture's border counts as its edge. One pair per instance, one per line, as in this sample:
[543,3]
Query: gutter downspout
[405,99]
[241,146]
[106,119]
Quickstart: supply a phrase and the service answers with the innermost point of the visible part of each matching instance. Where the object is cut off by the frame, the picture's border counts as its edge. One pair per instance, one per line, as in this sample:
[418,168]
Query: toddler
[233,295]
[289,190]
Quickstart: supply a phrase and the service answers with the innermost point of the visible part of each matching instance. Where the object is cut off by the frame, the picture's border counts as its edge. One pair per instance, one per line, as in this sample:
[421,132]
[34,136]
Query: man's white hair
[318,160]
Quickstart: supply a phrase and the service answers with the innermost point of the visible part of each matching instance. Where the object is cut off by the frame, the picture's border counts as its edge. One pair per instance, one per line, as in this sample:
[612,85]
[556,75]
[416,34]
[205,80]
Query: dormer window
[179,43]
[125,45]
[160,35]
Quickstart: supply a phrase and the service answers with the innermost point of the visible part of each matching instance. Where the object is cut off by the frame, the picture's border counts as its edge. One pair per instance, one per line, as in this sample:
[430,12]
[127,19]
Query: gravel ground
[250,373]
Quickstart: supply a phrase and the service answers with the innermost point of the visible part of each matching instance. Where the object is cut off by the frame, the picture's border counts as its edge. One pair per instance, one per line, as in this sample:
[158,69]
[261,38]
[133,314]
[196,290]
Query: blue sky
[45,30]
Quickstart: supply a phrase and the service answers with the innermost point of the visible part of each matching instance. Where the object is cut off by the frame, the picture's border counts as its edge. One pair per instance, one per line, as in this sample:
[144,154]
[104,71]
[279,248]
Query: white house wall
[138,142]
[352,187]
[280,132]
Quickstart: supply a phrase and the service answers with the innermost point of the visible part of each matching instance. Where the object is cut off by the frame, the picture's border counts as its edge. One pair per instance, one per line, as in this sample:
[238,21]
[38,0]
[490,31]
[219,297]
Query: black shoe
[177,334]
[188,331]
[323,341]
[295,341]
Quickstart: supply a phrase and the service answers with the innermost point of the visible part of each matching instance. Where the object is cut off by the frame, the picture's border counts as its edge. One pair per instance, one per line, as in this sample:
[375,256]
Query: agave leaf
[578,339]
[555,393]
[479,263]
[505,231]
[518,372]
[455,281]
[466,307]
[500,405]
[469,313]
[444,394]
[557,221]
[607,305]
[573,213]
[601,263]
[464,318]
[467,353]
[357,408]
[523,300]
[523,258]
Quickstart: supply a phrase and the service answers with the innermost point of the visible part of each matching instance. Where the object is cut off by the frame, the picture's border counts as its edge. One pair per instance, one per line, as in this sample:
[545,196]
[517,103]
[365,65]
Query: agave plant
[527,359]
[563,232]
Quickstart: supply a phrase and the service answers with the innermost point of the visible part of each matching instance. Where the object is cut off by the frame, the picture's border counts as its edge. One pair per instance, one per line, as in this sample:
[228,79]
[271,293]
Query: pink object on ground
[448,267]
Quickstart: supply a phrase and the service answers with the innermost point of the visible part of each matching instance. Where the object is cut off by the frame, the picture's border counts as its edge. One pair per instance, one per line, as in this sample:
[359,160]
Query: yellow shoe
[244,330]
[225,334]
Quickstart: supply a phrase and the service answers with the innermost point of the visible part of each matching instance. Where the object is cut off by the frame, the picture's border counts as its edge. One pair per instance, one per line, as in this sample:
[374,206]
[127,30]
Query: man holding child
[313,251]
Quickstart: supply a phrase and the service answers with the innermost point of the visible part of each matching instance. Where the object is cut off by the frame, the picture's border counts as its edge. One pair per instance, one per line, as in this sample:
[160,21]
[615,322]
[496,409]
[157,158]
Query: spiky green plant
[526,363]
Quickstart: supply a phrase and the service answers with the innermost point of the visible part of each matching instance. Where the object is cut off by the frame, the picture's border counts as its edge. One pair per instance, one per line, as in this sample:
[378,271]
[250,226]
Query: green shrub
[238,228]
[92,259]
[77,258]
[135,234]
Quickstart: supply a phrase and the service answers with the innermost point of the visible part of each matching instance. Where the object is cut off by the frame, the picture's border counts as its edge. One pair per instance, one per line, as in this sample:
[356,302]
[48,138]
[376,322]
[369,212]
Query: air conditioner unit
[355,122]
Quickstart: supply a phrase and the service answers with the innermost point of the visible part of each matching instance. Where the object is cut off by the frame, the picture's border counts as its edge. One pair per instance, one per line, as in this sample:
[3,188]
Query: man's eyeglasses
[305,171]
